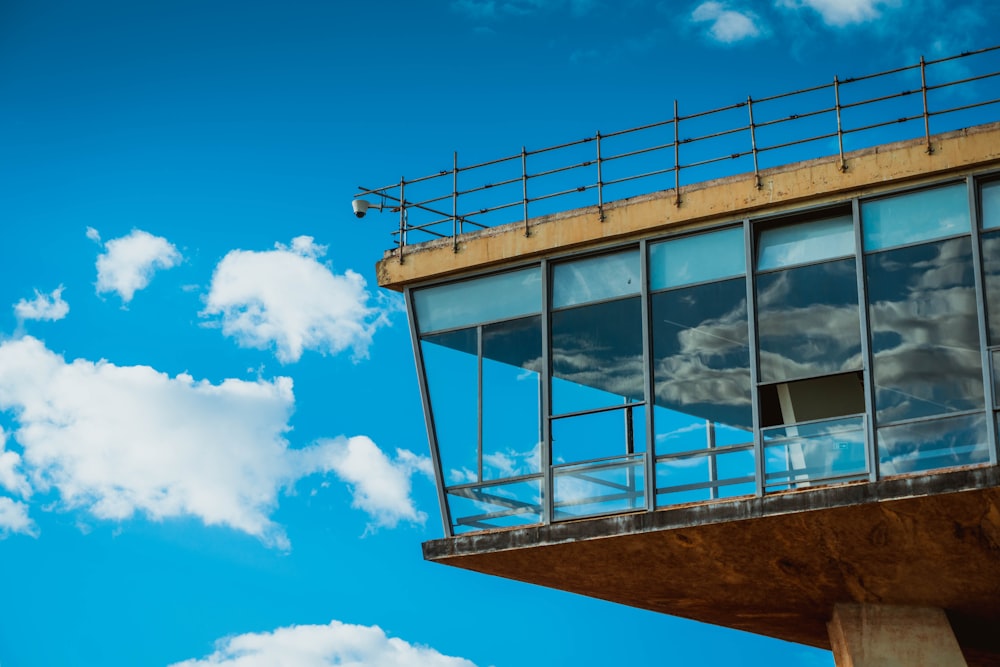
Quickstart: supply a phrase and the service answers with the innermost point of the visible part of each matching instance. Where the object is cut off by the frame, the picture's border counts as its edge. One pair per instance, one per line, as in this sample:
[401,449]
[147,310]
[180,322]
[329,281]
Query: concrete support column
[873,635]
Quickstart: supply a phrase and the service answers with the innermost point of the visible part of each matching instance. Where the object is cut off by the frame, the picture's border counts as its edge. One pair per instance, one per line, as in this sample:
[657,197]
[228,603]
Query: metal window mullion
[867,361]
[546,397]
[984,342]
[758,441]
[428,413]
[647,366]
[479,401]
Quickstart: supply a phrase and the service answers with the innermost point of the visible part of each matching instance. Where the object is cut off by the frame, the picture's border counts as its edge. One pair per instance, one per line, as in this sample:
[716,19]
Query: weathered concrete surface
[877,635]
[784,188]
[777,565]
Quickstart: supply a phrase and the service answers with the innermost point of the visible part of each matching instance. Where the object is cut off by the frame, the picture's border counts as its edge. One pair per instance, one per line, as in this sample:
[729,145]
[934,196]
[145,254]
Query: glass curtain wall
[702,404]
[922,309]
[854,343]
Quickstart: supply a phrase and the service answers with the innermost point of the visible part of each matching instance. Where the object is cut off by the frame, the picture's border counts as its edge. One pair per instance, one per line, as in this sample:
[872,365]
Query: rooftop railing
[829,119]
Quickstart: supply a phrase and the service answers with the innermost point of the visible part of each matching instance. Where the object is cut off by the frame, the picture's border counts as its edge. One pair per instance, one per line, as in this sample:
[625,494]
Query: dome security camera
[360,207]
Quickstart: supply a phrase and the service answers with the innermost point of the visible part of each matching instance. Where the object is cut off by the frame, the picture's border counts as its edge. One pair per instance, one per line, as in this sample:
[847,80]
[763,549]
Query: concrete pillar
[873,635]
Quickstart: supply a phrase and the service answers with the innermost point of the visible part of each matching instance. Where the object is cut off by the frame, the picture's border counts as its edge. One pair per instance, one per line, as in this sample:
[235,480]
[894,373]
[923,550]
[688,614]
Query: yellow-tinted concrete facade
[787,188]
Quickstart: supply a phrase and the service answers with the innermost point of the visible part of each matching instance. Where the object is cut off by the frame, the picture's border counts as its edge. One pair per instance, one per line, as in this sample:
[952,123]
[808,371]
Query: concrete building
[766,401]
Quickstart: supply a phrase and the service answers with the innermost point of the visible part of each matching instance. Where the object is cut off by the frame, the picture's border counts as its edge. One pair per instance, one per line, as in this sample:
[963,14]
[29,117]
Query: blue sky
[212,448]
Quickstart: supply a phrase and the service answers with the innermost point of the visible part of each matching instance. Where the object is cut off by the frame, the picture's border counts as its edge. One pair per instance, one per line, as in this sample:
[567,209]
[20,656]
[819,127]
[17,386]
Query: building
[766,401]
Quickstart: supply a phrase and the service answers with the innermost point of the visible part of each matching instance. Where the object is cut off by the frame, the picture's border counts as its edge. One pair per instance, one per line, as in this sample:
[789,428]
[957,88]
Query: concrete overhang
[776,565]
[815,182]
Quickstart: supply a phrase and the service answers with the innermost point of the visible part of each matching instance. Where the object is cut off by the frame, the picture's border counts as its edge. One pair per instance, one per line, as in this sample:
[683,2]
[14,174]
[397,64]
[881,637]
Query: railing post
[840,130]
[454,202]
[677,158]
[927,117]
[753,143]
[402,218]
[524,189]
[600,180]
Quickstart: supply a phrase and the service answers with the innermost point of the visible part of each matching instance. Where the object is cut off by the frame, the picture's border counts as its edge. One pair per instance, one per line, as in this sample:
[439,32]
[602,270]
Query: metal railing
[750,135]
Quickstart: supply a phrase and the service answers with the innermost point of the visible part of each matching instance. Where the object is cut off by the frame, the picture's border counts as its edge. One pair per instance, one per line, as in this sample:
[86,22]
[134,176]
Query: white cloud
[726,25]
[379,485]
[129,262]
[120,440]
[14,519]
[323,646]
[11,477]
[287,299]
[840,13]
[49,307]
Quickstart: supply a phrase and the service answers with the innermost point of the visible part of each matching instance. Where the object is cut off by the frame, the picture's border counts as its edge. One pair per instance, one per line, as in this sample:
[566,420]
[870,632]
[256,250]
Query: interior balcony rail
[948,92]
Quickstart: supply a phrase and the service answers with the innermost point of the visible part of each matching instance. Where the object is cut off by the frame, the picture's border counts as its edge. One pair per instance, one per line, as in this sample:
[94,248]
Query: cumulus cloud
[287,299]
[115,441]
[839,13]
[380,486]
[49,307]
[726,25]
[14,519]
[129,262]
[11,477]
[322,646]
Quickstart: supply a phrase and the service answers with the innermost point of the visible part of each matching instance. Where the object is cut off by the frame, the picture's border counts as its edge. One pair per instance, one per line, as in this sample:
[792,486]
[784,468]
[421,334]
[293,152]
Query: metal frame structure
[430,219]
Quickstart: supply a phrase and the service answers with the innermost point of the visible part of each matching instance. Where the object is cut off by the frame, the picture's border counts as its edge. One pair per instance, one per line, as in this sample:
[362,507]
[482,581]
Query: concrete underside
[777,565]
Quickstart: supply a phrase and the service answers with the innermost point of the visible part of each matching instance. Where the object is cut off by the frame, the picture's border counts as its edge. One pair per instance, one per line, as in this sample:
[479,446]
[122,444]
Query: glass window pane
[925,331]
[452,377]
[934,444]
[990,198]
[697,259]
[498,297]
[709,475]
[486,506]
[916,216]
[817,452]
[595,278]
[588,489]
[991,283]
[805,242]
[701,366]
[808,322]
[597,356]
[598,435]
[512,363]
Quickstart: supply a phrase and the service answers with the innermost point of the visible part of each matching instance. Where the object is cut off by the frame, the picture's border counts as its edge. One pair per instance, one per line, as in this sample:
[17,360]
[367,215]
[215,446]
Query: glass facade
[850,343]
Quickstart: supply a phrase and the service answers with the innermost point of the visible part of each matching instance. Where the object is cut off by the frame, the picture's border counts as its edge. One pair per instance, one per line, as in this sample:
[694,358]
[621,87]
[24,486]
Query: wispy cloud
[287,299]
[380,486]
[49,307]
[116,441]
[14,519]
[322,646]
[726,25]
[839,13]
[129,262]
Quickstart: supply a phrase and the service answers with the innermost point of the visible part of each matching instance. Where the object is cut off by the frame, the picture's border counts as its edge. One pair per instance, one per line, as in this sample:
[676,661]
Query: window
[481,347]
[924,325]
[598,391]
[701,367]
